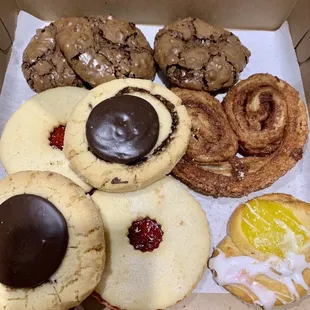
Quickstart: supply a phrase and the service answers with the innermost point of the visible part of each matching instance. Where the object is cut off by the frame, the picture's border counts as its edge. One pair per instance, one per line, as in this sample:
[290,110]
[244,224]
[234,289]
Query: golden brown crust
[236,244]
[269,120]
[212,138]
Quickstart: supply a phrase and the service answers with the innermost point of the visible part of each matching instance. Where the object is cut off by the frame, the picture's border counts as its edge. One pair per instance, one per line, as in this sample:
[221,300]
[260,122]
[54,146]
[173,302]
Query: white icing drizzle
[241,270]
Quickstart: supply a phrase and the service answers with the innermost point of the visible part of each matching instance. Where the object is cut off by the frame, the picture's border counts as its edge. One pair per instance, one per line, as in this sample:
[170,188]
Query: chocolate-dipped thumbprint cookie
[126,134]
[33,137]
[52,249]
[158,246]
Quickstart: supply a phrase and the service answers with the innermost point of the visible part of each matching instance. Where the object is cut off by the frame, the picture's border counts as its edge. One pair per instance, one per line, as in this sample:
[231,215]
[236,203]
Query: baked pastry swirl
[265,259]
[126,134]
[262,117]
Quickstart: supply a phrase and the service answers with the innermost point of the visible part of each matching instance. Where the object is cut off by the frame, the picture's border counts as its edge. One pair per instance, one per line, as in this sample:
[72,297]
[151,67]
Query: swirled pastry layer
[262,117]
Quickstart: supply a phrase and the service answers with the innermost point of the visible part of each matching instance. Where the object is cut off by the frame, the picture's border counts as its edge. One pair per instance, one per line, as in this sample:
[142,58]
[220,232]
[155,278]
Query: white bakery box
[271,29]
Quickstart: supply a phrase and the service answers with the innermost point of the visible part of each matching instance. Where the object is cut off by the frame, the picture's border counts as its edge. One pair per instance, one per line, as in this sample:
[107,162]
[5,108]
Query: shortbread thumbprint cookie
[33,137]
[158,245]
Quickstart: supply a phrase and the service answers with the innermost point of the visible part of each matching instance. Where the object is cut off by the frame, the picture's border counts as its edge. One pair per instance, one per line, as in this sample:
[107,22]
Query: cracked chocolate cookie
[44,66]
[158,246]
[33,137]
[102,48]
[196,55]
[52,250]
[126,134]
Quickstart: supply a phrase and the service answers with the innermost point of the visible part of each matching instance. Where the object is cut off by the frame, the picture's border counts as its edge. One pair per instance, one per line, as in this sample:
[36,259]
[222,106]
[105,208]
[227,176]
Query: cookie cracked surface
[196,55]
[173,137]
[103,48]
[44,66]
[82,266]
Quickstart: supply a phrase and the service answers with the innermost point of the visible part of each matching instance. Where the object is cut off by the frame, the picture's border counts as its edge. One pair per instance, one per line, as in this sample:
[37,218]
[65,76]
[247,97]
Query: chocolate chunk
[34,240]
[122,129]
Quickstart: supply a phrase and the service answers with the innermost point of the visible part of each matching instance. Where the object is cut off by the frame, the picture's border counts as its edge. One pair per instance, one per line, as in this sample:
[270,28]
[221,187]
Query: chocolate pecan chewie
[196,55]
[101,49]
[44,65]
[86,51]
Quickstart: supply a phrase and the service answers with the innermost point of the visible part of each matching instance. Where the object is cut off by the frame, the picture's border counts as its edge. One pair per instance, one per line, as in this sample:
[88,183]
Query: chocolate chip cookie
[196,55]
[44,65]
[102,48]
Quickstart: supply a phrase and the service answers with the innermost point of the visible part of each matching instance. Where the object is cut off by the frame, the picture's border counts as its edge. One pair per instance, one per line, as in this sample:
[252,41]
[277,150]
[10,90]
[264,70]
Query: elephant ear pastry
[126,134]
[265,259]
[262,118]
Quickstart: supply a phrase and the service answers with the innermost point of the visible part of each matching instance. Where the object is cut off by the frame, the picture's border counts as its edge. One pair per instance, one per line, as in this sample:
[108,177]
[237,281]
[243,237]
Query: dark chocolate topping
[34,240]
[122,129]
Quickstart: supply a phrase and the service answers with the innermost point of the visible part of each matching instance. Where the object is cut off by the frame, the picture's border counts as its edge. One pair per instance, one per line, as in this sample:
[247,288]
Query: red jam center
[145,235]
[57,137]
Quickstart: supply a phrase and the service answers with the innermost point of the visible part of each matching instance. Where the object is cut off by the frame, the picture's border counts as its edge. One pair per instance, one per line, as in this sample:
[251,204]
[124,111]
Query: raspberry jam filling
[57,137]
[145,235]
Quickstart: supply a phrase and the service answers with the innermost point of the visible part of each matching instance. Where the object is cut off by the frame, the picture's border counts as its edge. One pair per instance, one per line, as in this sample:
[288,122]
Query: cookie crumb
[116,180]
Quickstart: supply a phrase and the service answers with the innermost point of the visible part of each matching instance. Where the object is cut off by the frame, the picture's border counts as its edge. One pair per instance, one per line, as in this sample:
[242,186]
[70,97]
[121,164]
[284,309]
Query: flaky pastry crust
[269,121]
[236,244]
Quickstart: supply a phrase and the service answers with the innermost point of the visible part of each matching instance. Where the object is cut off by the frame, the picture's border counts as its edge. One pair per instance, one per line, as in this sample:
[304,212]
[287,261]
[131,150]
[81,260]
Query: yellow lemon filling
[272,228]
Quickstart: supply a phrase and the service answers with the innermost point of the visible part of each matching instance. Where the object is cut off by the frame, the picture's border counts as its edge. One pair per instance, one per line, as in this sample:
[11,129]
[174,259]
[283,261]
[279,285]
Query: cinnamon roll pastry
[265,259]
[262,118]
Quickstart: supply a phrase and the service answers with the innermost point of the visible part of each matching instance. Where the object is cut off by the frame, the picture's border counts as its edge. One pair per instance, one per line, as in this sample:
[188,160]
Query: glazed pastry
[102,48]
[158,246]
[126,134]
[33,137]
[265,259]
[263,118]
[52,250]
[196,55]
[44,65]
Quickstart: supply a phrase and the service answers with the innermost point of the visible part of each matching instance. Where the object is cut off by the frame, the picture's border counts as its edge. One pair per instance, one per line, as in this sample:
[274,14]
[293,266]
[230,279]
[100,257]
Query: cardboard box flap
[254,14]
[299,20]
[305,72]
[5,39]
[303,48]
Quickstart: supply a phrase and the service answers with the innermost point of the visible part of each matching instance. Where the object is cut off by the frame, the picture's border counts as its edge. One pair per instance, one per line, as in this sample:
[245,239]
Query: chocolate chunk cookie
[196,55]
[44,65]
[100,49]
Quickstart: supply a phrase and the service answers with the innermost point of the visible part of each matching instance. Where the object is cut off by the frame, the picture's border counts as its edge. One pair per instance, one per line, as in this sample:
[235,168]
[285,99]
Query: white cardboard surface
[272,52]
